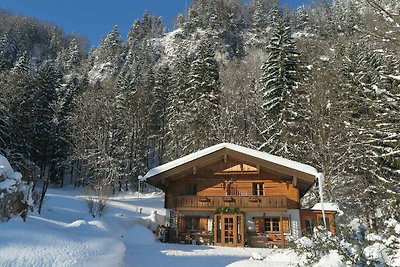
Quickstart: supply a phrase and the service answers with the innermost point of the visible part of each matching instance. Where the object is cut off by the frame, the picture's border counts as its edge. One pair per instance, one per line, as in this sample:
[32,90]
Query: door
[229,229]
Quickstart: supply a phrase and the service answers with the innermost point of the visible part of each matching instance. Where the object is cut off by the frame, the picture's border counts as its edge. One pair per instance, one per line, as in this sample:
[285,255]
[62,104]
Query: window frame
[258,189]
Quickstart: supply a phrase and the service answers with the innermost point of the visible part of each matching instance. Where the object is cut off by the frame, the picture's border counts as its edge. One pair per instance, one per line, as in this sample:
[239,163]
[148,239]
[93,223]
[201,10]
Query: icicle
[320,177]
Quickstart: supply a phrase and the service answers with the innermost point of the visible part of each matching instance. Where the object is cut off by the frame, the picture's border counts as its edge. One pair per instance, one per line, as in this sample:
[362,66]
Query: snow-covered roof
[327,206]
[248,151]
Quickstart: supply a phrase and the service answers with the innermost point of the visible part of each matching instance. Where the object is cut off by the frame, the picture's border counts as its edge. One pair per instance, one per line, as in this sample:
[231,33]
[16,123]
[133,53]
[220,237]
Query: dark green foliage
[203,99]
[226,209]
[280,78]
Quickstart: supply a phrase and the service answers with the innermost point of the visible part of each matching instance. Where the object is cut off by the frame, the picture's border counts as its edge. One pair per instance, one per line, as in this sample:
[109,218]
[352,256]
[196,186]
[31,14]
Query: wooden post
[282,233]
[177,226]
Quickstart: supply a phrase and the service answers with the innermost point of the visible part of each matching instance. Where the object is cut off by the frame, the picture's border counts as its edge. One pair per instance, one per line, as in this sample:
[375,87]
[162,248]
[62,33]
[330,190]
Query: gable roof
[290,164]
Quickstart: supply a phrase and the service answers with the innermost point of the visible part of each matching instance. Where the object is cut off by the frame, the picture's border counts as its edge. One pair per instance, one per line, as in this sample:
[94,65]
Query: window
[309,225]
[258,189]
[272,224]
[192,223]
[321,221]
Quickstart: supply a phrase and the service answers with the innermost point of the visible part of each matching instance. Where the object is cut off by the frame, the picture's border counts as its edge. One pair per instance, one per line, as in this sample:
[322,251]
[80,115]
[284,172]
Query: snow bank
[139,235]
[333,259]
[9,180]
[5,165]
[31,244]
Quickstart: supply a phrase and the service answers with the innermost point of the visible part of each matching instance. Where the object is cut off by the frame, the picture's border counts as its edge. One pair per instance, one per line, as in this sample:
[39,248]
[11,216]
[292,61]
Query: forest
[319,85]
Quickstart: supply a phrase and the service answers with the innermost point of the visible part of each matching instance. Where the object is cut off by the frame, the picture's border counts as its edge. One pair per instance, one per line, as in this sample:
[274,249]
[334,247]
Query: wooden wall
[316,215]
[213,179]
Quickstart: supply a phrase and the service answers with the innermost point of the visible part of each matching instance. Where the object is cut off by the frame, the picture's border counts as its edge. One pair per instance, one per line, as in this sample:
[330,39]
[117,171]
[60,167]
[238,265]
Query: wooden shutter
[259,224]
[203,224]
[286,225]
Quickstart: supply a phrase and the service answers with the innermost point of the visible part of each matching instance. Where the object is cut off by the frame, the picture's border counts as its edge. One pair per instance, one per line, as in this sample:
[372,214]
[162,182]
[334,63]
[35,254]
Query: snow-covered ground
[66,235]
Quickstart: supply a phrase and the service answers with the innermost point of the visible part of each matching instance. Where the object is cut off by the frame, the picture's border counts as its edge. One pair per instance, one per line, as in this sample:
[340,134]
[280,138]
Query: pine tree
[374,121]
[8,51]
[162,88]
[110,49]
[204,98]
[177,105]
[258,16]
[278,84]
[4,120]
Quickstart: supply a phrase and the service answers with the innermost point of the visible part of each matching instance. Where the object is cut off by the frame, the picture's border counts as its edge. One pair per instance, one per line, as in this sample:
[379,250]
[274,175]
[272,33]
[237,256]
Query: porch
[227,229]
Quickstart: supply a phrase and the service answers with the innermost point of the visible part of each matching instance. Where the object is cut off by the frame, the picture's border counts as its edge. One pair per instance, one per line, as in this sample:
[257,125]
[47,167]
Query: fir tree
[278,84]
[204,98]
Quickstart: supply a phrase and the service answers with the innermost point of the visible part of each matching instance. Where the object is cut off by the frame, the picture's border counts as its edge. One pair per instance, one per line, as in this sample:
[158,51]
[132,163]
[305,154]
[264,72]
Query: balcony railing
[250,202]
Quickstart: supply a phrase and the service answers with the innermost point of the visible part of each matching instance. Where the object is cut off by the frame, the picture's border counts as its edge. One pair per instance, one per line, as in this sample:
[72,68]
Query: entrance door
[229,229]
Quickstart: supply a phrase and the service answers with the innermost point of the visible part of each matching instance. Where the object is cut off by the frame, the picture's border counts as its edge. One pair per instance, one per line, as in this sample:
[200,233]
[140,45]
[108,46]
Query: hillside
[319,85]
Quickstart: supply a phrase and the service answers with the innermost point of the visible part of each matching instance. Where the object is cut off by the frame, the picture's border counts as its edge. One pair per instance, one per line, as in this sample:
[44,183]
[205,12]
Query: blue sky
[95,18]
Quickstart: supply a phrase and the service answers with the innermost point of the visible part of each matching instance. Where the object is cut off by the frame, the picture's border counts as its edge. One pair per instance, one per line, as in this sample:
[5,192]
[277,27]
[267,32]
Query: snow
[66,235]
[306,242]
[377,252]
[9,179]
[251,152]
[327,206]
[394,77]
[4,164]
[333,259]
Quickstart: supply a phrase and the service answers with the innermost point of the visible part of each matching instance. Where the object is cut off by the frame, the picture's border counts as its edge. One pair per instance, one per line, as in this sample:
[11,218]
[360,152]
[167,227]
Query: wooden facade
[313,218]
[258,199]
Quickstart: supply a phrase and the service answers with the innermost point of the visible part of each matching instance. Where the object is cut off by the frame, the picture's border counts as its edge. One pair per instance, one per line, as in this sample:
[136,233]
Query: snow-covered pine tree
[161,91]
[258,19]
[177,106]
[375,126]
[204,99]
[4,118]
[8,51]
[180,21]
[301,19]
[281,74]
[20,87]
[107,58]
[43,127]
[72,56]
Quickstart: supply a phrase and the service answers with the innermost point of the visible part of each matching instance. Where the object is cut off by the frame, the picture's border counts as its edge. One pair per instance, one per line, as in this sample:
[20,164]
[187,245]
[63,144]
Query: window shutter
[259,224]
[181,224]
[286,225]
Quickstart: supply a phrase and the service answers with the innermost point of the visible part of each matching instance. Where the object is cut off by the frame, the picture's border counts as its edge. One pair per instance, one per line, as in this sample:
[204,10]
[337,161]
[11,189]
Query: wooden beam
[295,181]
[225,158]
[194,170]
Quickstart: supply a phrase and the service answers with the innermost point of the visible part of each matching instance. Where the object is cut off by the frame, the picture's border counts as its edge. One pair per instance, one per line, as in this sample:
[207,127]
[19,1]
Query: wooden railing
[211,202]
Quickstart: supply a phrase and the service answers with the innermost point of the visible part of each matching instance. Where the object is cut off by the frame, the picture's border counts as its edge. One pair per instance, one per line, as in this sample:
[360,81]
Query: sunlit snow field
[66,235]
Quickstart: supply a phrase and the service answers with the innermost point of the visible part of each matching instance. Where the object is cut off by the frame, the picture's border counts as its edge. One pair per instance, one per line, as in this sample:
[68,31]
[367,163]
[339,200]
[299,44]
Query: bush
[354,243]
[96,202]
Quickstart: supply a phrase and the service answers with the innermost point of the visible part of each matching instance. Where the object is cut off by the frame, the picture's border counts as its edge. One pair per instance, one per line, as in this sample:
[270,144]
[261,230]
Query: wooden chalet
[230,195]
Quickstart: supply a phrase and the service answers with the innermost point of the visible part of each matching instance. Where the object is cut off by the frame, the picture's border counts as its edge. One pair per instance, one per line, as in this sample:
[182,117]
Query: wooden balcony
[249,203]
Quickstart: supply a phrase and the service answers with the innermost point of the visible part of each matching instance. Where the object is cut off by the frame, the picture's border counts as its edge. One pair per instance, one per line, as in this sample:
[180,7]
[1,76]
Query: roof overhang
[306,174]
